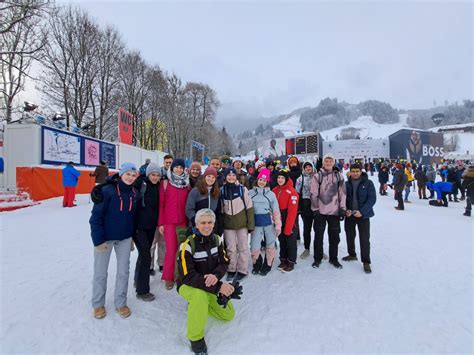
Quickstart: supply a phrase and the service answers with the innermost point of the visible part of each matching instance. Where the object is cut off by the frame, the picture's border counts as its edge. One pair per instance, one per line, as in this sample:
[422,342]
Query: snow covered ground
[417,300]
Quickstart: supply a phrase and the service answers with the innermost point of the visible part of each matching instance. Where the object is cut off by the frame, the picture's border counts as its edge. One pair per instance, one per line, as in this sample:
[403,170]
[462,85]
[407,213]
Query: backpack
[183,236]
[96,193]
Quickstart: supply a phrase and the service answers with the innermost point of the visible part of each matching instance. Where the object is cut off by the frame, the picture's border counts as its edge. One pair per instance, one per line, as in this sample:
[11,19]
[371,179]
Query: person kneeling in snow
[201,263]
[442,189]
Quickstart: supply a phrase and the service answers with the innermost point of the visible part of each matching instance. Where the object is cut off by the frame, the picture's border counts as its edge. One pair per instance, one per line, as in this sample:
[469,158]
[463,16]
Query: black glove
[342,214]
[223,300]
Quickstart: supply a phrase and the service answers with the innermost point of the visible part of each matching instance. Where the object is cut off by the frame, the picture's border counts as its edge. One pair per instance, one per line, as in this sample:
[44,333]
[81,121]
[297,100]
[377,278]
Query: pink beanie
[264,174]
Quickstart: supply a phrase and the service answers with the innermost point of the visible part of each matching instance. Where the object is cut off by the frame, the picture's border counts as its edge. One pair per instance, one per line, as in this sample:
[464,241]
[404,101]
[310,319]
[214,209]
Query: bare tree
[104,93]
[21,38]
[70,63]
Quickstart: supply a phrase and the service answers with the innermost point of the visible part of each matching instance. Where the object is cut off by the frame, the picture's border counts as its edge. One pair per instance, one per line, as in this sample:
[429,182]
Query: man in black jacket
[147,220]
[399,181]
[201,263]
[360,200]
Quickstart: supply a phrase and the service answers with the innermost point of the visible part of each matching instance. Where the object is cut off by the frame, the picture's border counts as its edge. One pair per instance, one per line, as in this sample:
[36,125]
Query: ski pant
[382,190]
[421,191]
[444,198]
[158,243]
[101,265]
[69,196]
[201,304]
[431,191]
[399,198]
[308,221]
[460,188]
[237,244]
[334,228]
[143,241]
[171,247]
[363,225]
[288,244]
[468,204]
[256,239]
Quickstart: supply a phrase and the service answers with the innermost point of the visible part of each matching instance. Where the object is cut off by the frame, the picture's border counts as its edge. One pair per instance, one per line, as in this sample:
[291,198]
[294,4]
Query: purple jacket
[328,192]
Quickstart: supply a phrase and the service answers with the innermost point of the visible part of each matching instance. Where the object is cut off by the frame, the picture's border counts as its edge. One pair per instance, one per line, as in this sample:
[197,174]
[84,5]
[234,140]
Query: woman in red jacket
[288,203]
[173,195]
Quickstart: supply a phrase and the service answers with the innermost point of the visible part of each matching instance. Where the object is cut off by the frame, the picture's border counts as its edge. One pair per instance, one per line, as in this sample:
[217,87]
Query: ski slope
[417,300]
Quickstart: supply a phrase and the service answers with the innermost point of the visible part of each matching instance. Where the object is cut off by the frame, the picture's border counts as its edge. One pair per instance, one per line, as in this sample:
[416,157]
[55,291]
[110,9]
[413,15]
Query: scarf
[179,181]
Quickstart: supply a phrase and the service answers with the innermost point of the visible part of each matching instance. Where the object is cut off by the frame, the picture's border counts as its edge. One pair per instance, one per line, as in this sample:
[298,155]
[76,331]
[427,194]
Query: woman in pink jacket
[173,195]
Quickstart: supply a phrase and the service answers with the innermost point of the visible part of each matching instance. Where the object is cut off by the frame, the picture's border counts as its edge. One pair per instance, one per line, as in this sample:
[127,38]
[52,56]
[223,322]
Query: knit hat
[293,159]
[264,174]
[126,167]
[178,162]
[329,156]
[210,171]
[258,164]
[152,168]
[270,162]
[228,171]
[195,165]
[284,174]
[308,163]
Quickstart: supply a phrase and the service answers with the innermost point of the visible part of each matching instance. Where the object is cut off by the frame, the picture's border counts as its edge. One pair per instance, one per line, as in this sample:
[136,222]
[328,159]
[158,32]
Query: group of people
[455,179]
[188,211]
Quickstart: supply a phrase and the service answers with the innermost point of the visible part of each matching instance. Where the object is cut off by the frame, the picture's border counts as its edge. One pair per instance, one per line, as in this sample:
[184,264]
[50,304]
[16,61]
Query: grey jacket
[265,202]
[305,180]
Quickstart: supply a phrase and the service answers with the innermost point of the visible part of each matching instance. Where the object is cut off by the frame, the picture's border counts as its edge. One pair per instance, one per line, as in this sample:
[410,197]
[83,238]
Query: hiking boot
[152,272]
[265,269]
[230,275]
[350,258]
[100,312]
[257,266]
[282,264]
[124,311]
[290,266]
[399,208]
[316,264]
[336,264]
[367,268]
[169,284]
[147,297]
[467,214]
[304,254]
[239,276]
[199,346]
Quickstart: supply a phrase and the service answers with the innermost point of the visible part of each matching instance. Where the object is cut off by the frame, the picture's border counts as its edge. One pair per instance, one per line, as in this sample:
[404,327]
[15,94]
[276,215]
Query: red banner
[125,121]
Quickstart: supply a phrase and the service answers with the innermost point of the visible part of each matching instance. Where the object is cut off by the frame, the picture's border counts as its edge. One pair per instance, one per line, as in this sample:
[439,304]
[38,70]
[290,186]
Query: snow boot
[467,214]
[350,258]
[239,277]
[265,269]
[304,254]
[199,347]
[316,264]
[147,297]
[336,264]
[257,266]
[282,264]
[367,268]
[230,275]
[124,311]
[290,266]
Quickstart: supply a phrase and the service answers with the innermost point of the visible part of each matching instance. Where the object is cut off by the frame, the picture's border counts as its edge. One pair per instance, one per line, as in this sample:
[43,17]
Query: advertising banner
[125,123]
[421,146]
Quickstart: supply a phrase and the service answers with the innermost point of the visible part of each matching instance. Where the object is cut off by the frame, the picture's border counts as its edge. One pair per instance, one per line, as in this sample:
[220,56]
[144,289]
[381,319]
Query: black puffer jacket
[148,204]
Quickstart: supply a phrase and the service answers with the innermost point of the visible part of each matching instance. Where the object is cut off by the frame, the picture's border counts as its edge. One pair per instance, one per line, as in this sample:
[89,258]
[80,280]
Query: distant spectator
[70,179]
[101,172]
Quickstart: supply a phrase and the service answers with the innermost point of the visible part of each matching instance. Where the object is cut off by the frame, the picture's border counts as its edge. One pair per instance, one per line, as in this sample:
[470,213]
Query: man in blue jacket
[442,189]
[360,200]
[70,179]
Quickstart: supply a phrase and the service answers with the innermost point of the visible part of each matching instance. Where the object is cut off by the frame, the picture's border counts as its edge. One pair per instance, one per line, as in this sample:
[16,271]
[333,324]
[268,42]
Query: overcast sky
[270,57]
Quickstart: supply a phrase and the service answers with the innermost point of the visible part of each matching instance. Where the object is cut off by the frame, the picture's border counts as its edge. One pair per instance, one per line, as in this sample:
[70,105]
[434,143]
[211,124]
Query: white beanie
[328,156]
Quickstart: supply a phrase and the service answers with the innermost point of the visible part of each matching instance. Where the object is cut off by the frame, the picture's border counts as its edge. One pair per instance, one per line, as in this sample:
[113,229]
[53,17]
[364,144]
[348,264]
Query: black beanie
[284,174]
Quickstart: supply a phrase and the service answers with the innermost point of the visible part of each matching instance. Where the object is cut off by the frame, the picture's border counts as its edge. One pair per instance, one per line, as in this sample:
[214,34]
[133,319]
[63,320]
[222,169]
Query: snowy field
[417,300]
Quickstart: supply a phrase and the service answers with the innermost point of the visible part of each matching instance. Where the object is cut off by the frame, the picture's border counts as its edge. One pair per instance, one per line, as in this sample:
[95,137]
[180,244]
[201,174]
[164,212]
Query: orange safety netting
[44,183]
